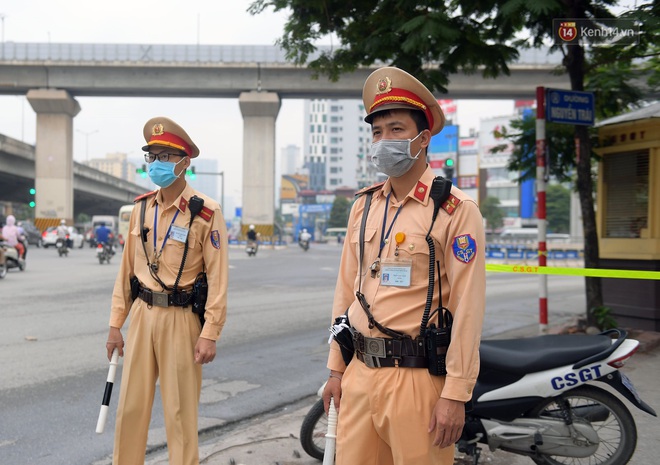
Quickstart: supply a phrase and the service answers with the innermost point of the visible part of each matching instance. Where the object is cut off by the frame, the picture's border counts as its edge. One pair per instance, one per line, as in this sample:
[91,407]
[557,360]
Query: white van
[332,235]
[109,220]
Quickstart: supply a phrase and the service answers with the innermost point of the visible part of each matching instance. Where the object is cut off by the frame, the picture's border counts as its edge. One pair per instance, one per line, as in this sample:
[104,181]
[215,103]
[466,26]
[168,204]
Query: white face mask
[392,156]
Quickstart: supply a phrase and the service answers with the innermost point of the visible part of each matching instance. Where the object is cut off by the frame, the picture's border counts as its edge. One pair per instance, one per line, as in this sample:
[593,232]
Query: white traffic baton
[103,414]
[331,435]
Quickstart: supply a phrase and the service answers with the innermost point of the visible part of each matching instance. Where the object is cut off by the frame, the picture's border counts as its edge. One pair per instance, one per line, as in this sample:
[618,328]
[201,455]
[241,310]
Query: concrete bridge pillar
[259,110]
[54,153]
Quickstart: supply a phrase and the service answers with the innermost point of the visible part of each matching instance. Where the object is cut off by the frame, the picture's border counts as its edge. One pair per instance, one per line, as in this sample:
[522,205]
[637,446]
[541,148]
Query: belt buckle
[159,299]
[374,346]
[374,350]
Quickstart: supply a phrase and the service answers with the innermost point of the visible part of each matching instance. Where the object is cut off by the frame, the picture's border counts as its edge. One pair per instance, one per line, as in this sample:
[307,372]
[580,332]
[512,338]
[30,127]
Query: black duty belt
[377,352]
[164,299]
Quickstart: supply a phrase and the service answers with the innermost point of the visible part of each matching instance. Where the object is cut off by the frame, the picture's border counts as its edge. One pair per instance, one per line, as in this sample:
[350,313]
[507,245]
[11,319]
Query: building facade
[336,142]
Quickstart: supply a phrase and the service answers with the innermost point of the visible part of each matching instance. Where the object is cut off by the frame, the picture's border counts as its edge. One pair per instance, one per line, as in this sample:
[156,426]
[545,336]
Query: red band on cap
[170,140]
[402,96]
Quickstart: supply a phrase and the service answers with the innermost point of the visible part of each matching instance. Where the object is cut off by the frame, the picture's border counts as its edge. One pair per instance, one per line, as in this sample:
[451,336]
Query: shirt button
[469,391]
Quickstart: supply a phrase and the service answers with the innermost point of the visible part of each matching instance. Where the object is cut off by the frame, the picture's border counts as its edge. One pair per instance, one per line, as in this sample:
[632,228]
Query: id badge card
[179,234]
[395,272]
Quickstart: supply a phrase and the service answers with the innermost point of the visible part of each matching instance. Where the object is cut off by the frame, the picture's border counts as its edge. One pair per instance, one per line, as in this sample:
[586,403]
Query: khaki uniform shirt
[459,247]
[207,251]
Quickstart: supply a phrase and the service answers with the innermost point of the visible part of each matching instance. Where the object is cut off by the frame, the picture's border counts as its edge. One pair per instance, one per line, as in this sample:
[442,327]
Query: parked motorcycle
[11,259]
[104,252]
[548,398]
[62,246]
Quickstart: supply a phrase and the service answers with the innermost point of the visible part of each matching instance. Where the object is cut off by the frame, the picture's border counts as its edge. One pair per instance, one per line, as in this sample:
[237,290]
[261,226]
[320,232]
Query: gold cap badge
[384,85]
[157,130]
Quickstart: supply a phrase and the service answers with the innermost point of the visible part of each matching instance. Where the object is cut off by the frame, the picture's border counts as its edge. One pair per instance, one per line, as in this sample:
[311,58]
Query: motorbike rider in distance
[13,236]
[252,234]
[303,240]
[252,240]
[104,236]
[63,233]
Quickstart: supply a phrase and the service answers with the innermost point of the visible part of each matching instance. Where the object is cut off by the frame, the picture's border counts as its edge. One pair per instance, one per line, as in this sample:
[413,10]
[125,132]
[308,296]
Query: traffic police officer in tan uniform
[173,239]
[392,410]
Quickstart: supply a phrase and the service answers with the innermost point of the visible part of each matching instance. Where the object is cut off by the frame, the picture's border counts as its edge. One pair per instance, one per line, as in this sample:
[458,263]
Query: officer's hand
[115,340]
[332,390]
[204,351]
[447,420]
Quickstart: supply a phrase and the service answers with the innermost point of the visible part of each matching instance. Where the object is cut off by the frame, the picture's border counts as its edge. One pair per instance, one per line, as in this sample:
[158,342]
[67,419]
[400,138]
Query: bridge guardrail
[183,53]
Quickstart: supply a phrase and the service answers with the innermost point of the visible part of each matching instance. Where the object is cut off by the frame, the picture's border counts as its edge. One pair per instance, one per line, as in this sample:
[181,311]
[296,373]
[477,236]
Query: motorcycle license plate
[629,385]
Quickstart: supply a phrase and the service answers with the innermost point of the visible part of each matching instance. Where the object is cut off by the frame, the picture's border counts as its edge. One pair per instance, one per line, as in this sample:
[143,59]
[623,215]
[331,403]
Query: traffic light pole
[221,174]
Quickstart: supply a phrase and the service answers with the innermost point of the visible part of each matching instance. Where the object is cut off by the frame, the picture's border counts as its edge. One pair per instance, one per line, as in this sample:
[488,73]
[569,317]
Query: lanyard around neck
[167,236]
[383,234]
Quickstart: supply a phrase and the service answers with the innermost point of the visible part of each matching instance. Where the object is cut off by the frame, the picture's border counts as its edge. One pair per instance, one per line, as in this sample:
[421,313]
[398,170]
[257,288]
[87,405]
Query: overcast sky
[115,124]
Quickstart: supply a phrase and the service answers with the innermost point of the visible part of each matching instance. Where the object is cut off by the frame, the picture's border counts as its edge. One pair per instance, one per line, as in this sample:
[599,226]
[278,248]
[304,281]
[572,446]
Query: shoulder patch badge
[450,204]
[206,214]
[215,238]
[144,196]
[464,248]
[373,187]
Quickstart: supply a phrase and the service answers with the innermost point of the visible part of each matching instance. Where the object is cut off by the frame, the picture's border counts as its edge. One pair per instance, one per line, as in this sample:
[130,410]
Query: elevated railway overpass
[94,192]
[53,75]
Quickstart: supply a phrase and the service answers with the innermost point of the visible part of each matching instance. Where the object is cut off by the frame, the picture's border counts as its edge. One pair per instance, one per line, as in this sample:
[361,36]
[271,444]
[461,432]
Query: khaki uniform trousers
[160,346]
[384,417]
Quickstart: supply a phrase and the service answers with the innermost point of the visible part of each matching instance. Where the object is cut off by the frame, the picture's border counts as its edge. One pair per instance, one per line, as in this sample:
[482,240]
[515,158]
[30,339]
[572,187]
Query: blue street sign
[569,107]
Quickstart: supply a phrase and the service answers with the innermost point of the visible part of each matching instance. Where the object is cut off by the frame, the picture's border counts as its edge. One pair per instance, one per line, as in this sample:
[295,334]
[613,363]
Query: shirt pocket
[139,246]
[173,250]
[416,249]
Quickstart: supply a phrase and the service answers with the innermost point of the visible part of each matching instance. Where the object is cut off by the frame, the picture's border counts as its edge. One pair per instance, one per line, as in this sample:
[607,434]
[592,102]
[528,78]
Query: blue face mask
[162,172]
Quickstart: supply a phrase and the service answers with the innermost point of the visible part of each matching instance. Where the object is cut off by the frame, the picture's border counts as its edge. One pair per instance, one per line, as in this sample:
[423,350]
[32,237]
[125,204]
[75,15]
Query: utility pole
[2,19]
[87,134]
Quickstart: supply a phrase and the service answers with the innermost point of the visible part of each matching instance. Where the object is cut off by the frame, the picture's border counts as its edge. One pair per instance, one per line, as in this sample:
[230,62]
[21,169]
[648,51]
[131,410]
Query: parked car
[31,232]
[49,237]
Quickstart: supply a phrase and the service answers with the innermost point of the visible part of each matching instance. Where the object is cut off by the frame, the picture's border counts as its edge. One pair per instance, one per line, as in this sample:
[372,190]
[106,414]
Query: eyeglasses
[163,156]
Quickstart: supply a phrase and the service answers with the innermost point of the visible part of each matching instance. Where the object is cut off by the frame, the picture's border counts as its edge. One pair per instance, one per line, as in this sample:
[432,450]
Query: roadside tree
[434,40]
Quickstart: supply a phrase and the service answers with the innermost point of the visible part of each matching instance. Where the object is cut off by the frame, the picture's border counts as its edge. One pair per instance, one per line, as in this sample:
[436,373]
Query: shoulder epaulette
[144,196]
[206,214]
[450,204]
[372,188]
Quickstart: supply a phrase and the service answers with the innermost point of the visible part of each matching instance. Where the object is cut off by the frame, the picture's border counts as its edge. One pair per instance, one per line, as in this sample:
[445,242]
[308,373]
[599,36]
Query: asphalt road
[272,352]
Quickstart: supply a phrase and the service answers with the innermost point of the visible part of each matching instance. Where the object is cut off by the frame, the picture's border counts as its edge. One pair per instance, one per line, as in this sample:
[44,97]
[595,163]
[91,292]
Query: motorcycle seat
[529,355]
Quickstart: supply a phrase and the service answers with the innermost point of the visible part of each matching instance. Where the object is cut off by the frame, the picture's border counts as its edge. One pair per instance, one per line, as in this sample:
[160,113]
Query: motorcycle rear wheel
[313,430]
[617,432]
